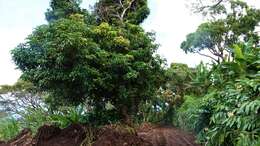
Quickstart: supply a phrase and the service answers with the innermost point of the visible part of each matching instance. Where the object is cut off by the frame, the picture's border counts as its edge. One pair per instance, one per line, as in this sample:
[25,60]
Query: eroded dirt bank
[112,135]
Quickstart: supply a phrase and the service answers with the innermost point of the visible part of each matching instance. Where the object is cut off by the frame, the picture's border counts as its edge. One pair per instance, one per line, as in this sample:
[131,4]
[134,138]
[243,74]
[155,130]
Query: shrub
[9,128]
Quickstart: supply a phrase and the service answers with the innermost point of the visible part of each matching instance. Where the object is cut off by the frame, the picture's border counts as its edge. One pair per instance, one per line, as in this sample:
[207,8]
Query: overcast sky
[170,19]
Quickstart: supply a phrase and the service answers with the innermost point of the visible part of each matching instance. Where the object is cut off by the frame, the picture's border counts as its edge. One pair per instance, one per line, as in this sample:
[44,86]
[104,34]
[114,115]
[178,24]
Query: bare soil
[112,135]
[166,136]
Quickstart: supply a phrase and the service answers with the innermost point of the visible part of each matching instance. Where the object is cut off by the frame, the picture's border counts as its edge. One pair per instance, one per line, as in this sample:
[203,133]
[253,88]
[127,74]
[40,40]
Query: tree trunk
[127,119]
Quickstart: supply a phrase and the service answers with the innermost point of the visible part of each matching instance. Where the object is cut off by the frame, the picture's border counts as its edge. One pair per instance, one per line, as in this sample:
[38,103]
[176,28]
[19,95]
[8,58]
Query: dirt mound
[144,135]
[50,136]
[53,136]
[165,136]
[112,135]
[116,135]
[2,143]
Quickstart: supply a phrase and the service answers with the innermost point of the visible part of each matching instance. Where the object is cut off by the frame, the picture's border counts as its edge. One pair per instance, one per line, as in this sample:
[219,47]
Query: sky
[170,19]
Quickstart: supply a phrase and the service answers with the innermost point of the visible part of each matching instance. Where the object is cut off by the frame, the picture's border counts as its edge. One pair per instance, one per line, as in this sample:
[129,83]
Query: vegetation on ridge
[101,67]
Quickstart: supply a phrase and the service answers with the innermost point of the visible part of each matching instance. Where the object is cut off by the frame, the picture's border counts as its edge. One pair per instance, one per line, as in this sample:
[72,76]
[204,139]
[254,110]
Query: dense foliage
[227,112]
[234,108]
[101,67]
[78,62]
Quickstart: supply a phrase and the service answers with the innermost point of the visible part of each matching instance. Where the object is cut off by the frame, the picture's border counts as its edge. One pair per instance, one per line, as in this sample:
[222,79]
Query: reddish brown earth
[53,136]
[166,136]
[112,135]
[118,135]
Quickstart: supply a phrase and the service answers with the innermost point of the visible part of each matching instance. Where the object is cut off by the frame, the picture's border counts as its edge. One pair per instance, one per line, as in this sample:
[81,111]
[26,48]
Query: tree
[120,11]
[78,62]
[229,26]
[179,77]
[15,99]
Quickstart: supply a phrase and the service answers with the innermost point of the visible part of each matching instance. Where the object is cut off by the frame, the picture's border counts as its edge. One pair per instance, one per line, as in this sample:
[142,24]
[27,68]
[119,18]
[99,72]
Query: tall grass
[35,118]
[9,128]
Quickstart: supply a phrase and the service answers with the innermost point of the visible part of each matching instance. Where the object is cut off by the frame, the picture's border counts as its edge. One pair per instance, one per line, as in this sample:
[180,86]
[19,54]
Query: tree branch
[205,55]
[121,4]
[202,8]
[126,9]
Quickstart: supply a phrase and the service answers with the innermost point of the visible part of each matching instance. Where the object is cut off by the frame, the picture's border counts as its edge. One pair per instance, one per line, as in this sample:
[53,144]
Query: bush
[233,112]
[9,128]
[37,117]
[187,114]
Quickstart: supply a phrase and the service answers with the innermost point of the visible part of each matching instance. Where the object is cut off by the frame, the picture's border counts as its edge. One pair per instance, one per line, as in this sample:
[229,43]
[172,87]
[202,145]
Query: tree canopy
[101,67]
[80,62]
[234,23]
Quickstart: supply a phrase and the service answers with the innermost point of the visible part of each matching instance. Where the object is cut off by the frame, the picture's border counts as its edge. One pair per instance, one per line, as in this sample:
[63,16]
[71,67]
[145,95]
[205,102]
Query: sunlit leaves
[77,62]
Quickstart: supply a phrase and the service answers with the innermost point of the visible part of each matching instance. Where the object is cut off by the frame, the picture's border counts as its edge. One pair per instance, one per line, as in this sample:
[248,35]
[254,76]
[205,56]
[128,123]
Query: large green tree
[230,23]
[78,62]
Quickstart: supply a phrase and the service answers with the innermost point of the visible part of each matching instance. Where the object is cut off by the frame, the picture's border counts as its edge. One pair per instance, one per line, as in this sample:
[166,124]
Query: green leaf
[238,52]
